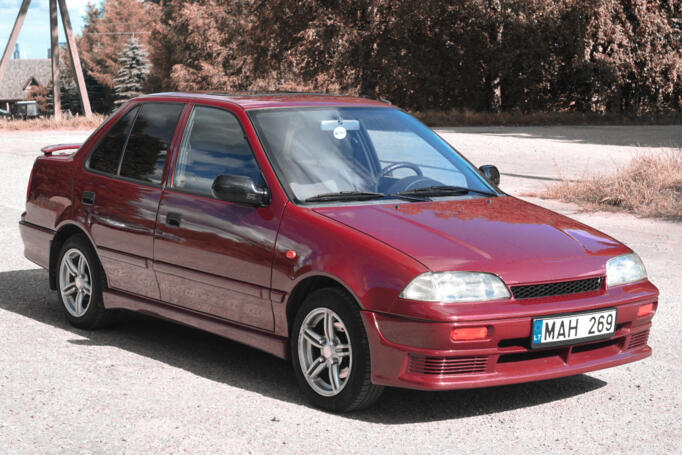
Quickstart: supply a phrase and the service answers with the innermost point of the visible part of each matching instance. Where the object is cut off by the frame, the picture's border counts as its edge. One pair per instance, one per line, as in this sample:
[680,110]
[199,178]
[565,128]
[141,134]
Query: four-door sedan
[338,232]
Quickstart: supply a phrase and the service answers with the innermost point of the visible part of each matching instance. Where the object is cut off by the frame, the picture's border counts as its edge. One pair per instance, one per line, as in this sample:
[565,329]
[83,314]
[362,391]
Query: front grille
[447,365]
[561,288]
[638,339]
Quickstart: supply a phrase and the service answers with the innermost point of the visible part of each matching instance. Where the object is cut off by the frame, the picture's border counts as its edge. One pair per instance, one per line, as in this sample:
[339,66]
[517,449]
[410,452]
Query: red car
[338,232]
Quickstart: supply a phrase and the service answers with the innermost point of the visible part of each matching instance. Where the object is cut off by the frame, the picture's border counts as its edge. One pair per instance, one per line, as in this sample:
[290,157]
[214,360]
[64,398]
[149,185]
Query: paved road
[149,386]
[557,152]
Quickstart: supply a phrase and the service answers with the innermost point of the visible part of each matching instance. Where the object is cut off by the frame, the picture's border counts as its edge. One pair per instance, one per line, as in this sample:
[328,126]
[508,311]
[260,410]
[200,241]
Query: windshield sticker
[339,132]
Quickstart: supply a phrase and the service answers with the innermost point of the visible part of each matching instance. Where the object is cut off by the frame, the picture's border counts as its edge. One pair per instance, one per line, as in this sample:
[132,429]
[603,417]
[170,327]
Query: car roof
[270,100]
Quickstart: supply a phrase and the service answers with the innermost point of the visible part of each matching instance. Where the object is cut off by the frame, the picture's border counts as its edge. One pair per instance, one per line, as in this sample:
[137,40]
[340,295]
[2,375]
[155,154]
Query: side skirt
[258,339]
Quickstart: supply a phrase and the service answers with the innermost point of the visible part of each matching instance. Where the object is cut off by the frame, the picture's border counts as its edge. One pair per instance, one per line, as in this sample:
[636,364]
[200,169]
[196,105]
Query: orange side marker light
[645,309]
[468,333]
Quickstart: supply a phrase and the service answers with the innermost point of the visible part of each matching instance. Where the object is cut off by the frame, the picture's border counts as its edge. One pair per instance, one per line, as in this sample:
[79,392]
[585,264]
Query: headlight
[451,287]
[624,269]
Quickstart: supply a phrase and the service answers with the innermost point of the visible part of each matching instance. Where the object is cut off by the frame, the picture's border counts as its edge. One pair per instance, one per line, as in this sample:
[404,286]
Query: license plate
[573,328]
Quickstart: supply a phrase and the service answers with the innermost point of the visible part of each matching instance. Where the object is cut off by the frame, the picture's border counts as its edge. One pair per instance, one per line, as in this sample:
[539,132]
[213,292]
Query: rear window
[147,149]
[107,154]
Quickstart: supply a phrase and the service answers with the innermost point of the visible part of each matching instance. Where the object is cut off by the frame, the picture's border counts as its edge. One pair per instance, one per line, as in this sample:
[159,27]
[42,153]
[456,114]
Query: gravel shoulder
[150,386]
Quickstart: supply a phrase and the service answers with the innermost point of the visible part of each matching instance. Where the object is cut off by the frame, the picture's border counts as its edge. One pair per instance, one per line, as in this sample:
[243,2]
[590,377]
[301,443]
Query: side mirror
[240,189]
[491,173]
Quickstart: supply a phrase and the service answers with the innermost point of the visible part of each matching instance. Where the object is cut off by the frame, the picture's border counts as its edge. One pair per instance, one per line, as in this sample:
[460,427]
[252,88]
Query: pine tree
[106,31]
[133,74]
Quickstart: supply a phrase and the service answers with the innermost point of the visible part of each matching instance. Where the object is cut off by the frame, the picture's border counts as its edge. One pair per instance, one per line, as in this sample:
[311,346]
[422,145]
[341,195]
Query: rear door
[118,195]
[212,256]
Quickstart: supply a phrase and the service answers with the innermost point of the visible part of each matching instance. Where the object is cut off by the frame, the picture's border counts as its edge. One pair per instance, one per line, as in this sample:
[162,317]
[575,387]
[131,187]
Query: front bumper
[419,354]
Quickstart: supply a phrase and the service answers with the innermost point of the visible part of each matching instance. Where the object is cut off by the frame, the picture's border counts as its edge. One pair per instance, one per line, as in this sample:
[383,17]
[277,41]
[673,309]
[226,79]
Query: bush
[650,186]
[463,117]
[596,56]
[68,121]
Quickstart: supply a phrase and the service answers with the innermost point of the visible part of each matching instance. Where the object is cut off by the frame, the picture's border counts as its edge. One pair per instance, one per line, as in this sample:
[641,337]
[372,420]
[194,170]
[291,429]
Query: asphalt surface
[544,154]
[150,386]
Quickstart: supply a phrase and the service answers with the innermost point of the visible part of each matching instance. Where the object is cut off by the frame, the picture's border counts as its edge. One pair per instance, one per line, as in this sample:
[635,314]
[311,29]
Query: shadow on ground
[654,136]
[26,293]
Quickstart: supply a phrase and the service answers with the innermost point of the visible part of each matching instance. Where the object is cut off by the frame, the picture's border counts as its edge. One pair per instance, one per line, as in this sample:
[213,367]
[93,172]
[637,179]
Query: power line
[116,33]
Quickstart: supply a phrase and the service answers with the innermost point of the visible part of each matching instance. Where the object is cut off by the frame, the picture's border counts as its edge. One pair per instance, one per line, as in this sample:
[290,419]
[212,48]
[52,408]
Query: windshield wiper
[443,190]
[346,196]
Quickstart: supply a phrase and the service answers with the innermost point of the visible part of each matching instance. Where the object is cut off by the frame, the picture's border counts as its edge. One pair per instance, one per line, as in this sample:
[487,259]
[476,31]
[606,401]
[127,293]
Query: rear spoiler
[50,149]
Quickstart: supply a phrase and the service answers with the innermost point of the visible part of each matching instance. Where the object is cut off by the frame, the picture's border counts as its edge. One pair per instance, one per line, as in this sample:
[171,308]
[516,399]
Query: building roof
[273,100]
[19,72]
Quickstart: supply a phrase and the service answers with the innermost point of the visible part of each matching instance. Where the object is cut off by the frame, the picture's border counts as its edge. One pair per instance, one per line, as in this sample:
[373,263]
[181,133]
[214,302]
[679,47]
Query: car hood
[519,241]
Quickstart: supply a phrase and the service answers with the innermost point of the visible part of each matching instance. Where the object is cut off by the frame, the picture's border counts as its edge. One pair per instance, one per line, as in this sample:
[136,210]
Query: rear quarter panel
[49,201]
[50,193]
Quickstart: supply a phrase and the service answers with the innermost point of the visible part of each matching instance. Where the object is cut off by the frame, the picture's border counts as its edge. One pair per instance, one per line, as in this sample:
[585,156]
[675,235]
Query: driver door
[212,256]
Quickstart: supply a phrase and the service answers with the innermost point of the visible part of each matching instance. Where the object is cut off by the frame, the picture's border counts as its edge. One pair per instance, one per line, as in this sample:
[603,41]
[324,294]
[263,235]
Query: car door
[117,196]
[213,256]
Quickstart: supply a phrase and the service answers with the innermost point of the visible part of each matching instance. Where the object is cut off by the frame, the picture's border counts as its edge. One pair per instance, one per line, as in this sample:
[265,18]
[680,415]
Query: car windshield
[361,153]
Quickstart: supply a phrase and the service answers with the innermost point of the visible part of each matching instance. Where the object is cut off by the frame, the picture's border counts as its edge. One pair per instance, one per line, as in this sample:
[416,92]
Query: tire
[83,275]
[353,389]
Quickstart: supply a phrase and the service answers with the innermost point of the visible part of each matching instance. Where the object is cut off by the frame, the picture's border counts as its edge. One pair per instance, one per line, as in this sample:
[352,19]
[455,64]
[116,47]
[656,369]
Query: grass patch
[649,186]
[458,117]
[72,122]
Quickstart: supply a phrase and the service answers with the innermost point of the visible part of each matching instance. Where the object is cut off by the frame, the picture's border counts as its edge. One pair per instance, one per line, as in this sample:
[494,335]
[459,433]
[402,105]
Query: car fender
[309,244]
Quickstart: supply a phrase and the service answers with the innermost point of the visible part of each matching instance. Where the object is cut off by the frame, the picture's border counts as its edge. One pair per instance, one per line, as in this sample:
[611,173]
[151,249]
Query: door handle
[88,198]
[173,219]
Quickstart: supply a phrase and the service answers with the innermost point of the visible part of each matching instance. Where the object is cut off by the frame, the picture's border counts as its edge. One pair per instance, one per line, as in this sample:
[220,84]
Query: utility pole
[13,36]
[54,37]
[75,59]
[54,53]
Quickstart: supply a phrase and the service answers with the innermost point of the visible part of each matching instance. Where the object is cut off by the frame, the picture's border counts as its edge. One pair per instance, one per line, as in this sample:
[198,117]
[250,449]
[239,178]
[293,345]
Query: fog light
[469,333]
[645,309]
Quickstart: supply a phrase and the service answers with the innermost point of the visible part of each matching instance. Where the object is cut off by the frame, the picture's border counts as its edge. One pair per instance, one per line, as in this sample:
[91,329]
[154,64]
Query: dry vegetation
[650,186]
[459,117]
[434,118]
[514,56]
[75,122]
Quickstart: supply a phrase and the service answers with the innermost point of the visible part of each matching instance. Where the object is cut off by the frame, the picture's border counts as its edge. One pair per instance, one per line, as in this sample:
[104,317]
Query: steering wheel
[402,164]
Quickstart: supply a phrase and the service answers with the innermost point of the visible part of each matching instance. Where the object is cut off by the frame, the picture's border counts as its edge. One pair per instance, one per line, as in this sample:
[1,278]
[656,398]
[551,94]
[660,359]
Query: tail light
[28,188]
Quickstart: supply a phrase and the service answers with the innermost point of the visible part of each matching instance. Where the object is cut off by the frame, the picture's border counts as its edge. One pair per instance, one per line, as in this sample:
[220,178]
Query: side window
[213,144]
[145,155]
[107,154]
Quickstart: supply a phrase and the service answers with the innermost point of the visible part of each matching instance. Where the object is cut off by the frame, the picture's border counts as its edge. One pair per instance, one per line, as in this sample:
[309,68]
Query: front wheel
[330,353]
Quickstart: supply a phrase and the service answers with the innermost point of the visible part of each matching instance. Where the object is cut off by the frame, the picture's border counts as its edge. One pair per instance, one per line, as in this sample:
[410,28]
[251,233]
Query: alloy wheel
[75,282]
[325,352]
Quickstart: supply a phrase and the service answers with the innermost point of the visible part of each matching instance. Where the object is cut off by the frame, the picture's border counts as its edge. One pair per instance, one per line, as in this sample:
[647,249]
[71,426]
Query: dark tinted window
[107,154]
[145,155]
[213,144]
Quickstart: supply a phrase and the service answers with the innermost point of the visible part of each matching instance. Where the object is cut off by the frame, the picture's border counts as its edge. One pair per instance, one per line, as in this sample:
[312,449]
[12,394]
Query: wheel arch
[309,284]
[64,232]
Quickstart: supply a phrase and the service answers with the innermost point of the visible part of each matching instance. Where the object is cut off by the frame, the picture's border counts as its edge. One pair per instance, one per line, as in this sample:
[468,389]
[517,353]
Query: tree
[106,31]
[483,55]
[200,45]
[40,94]
[69,96]
[133,72]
